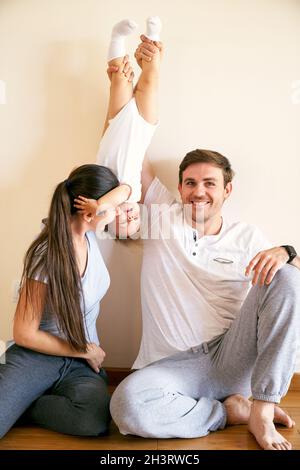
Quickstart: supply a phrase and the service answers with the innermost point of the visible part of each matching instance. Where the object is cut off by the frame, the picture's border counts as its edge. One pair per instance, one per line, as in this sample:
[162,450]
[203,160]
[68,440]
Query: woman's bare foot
[238,409]
[262,427]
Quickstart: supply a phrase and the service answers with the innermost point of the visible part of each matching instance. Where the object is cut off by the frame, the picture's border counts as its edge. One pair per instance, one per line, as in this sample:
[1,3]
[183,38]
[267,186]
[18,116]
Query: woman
[53,371]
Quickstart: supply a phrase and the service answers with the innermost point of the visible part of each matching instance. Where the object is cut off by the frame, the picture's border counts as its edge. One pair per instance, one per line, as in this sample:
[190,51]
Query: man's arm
[147,177]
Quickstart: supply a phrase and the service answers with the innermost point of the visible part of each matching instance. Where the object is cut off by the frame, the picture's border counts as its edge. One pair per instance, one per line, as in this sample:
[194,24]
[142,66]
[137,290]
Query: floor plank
[232,438]
[34,438]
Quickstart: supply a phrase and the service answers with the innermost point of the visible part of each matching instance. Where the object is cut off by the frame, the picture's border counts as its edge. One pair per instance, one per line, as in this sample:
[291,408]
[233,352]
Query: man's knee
[122,407]
[137,403]
[287,279]
[128,407]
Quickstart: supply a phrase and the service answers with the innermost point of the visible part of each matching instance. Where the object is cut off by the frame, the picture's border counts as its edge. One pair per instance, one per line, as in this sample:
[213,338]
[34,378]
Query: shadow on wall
[119,324]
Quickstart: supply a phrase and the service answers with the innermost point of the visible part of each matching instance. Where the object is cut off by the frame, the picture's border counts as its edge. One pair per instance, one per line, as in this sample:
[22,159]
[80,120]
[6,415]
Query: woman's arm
[27,334]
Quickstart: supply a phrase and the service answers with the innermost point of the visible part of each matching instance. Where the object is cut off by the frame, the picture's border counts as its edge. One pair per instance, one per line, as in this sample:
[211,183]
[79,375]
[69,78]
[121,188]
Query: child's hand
[86,206]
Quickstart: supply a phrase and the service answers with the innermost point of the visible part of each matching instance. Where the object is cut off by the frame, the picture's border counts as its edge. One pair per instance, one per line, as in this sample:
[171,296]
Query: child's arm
[112,199]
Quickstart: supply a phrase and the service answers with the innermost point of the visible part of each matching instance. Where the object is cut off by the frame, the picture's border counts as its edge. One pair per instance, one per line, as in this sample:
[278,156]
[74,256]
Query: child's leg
[121,89]
[146,90]
[124,144]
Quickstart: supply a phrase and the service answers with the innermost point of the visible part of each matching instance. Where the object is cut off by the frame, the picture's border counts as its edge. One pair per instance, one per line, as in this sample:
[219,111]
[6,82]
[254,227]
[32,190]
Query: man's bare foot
[238,409]
[281,417]
[262,427]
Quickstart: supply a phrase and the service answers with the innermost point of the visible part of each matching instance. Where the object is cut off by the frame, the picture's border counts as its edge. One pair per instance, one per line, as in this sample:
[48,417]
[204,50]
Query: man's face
[203,188]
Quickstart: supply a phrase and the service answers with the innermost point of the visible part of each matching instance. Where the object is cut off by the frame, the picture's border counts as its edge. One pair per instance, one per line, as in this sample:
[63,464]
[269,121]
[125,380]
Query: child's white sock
[118,36]
[154,26]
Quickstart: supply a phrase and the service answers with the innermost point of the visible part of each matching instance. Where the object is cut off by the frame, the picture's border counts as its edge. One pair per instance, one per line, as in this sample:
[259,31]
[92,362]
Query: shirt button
[194,254]
[196,244]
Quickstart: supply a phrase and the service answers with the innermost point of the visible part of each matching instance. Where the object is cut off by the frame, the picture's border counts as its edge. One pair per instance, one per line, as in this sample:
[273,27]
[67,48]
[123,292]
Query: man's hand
[125,69]
[266,264]
[94,356]
[147,50]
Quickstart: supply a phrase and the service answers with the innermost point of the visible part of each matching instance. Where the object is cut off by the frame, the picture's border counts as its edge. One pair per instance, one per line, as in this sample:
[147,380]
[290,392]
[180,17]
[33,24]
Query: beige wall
[230,82]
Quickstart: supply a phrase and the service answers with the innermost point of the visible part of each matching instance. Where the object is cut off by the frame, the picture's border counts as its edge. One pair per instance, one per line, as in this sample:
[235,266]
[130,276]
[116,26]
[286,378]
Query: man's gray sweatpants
[181,395]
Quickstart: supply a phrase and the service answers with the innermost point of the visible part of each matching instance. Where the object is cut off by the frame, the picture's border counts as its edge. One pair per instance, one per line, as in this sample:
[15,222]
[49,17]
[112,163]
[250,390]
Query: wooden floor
[234,437]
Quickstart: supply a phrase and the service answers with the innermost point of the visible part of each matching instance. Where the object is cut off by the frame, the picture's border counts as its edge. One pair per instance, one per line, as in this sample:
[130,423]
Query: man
[208,342]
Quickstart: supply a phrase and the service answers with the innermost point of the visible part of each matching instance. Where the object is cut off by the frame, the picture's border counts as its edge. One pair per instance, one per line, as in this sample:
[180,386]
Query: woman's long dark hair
[52,254]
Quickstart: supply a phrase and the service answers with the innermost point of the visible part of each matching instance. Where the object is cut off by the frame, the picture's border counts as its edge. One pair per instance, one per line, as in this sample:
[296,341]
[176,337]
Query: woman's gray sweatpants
[181,395]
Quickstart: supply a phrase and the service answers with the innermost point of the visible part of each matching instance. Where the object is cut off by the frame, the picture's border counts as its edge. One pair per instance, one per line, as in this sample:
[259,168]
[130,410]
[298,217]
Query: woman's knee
[94,416]
[91,415]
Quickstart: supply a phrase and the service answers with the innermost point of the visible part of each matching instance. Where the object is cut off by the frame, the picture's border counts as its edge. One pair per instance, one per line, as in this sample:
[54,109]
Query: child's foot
[119,33]
[154,26]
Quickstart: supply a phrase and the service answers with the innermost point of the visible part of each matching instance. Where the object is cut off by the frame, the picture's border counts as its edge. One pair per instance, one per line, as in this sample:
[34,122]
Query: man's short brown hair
[207,156]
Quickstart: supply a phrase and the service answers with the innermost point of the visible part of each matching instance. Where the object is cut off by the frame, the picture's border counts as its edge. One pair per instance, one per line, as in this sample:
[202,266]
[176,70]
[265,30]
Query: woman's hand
[94,356]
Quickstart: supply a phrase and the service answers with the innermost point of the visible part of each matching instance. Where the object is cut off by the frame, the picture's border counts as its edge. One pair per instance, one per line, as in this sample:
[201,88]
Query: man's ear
[227,190]
[179,187]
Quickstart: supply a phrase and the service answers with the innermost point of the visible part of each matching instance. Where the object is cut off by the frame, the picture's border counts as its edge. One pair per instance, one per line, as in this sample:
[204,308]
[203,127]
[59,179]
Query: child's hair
[52,256]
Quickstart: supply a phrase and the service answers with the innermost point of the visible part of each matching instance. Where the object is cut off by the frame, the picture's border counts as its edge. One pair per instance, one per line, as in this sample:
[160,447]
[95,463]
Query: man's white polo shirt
[191,288]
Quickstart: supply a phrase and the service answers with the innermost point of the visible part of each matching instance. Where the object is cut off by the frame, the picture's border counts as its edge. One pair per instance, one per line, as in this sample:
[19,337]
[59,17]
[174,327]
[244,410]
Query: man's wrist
[291,252]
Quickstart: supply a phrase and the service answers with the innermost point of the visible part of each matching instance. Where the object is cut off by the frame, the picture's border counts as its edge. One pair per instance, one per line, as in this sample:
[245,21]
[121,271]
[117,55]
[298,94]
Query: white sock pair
[125,27]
